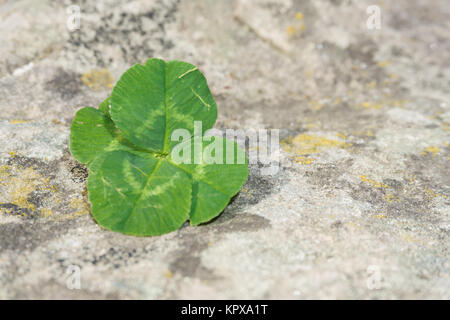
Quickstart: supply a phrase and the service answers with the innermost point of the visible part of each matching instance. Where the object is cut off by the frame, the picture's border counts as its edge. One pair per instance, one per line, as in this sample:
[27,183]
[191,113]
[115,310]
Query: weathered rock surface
[359,208]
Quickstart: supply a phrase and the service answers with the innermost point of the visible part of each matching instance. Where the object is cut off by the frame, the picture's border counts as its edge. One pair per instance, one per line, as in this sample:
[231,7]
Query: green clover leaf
[136,184]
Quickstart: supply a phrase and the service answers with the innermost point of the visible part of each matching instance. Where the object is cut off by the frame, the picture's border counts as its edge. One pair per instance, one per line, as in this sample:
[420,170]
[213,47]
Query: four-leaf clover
[135,186]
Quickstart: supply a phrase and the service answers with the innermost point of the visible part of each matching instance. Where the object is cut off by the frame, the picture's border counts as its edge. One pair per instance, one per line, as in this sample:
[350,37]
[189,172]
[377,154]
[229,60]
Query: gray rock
[358,209]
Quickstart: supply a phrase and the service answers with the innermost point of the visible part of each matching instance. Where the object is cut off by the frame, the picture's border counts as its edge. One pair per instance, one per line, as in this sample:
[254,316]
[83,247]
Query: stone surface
[362,190]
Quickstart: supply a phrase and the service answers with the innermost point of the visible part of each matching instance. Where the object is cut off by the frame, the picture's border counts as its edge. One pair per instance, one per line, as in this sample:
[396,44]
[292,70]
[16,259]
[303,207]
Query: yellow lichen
[98,79]
[364,133]
[383,64]
[372,106]
[397,103]
[431,194]
[304,160]
[17,184]
[445,126]
[5,210]
[56,121]
[352,225]
[46,212]
[393,76]
[18,121]
[389,197]
[168,274]
[407,237]
[432,150]
[371,85]
[373,183]
[80,206]
[290,30]
[315,105]
[47,186]
[298,27]
[4,173]
[379,216]
[304,144]
[394,103]
[295,31]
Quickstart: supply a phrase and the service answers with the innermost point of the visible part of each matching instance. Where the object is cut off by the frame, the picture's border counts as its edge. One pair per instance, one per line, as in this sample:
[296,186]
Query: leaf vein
[187,72]
[200,98]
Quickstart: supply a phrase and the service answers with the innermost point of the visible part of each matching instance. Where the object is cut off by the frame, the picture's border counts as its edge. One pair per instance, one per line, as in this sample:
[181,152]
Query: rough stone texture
[363,183]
